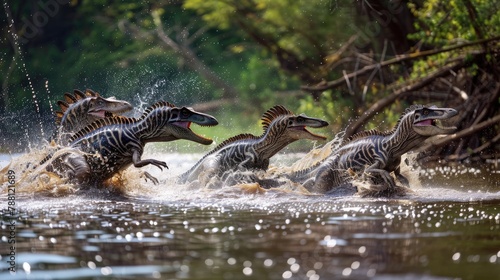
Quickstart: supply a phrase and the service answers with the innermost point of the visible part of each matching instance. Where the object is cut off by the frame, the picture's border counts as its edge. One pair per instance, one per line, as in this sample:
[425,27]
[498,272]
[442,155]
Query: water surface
[447,227]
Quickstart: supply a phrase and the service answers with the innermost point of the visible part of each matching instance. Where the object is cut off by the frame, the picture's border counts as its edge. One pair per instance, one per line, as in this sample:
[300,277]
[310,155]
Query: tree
[455,63]
[391,54]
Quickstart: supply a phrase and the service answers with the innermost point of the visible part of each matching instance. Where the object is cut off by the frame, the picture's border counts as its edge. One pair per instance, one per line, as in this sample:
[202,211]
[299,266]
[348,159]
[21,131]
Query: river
[446,227]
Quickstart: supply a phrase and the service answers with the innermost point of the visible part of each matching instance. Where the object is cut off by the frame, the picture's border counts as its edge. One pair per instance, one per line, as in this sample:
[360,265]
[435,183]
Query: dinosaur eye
[425,112]
[300,119]
[184,113]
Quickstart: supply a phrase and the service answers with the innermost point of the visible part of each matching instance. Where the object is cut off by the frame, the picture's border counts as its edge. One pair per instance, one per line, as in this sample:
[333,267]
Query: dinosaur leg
[136,160]
[373,169]
[401,178]
[321,183]
[326,179]
[318,181]
[77,167]
[309,184]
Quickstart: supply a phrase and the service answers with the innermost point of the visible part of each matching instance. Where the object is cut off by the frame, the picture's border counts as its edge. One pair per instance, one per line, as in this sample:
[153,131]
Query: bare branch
[460,92]
[332,59]
[399,59]
[348,83]
[476,150]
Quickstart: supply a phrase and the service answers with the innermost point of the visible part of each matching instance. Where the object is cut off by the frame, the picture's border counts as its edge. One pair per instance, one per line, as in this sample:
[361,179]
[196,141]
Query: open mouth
[186,125]
[191,135]
[101,114]
[433,122]
[105,114]
[429,122]
[304,129]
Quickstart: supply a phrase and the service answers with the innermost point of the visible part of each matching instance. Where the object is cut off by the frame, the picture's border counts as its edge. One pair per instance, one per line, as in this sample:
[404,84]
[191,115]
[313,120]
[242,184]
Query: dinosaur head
[296,127]
[281,121]
[181,119]
[427,120]
[106,107]
[79,109]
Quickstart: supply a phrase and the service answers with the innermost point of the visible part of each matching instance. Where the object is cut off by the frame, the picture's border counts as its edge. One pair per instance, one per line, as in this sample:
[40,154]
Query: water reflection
[309,239]
[446,228]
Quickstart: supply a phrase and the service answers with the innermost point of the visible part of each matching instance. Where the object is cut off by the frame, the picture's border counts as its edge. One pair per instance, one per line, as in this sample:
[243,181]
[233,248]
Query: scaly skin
[375,154]
[112,144]
[249,152]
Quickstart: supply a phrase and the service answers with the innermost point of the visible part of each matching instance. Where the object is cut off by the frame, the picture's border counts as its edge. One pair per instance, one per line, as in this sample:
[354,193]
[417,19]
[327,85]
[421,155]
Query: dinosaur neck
[272,141]
[149,128]
[404,138]
[77,117]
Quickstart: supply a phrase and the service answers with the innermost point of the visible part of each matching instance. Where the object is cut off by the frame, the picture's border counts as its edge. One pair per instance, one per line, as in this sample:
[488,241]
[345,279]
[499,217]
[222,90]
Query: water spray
[17,49]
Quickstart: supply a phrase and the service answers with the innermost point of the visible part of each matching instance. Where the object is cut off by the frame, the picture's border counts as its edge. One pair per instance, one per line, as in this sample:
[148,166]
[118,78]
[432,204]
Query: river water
[446,227]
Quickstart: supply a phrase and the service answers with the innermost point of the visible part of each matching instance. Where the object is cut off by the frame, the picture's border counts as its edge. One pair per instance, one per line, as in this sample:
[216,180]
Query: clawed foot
[150,177]
[159,164]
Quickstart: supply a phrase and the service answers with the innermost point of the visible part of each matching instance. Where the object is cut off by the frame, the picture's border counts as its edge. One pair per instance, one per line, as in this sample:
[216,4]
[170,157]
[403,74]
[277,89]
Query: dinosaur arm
[136,160]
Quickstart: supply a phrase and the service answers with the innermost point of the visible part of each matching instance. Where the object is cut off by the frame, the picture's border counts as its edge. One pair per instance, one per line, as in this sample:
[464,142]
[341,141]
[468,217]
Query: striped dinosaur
[374,154]
[83,108]
[248,152]
[112,144]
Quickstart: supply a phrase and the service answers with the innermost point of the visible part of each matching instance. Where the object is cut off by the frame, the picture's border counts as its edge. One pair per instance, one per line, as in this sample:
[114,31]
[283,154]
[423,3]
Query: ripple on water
[231,234]
[401,235]
[149,271]
[40,258]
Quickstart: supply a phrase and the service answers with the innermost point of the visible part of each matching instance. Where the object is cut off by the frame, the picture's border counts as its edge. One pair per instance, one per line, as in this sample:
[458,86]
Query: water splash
[17,50]
[156,81]
[31,175]
[47,89]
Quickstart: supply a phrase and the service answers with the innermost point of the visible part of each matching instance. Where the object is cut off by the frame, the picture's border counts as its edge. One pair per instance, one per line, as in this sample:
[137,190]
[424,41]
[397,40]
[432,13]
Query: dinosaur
[248,152]
[83,108]
[111,144]
[374,154]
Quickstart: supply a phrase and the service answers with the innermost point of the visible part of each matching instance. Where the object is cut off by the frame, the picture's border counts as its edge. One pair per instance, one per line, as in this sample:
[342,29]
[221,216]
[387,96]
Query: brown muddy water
[447,227]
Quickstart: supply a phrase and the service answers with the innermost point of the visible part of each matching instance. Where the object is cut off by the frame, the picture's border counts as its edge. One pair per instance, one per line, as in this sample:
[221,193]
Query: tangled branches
[464,76]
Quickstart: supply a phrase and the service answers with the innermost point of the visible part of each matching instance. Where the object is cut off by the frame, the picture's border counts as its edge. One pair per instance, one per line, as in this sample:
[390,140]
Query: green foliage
[265,49]
[448,22]
[445,23]
[299,33]
[297,37]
